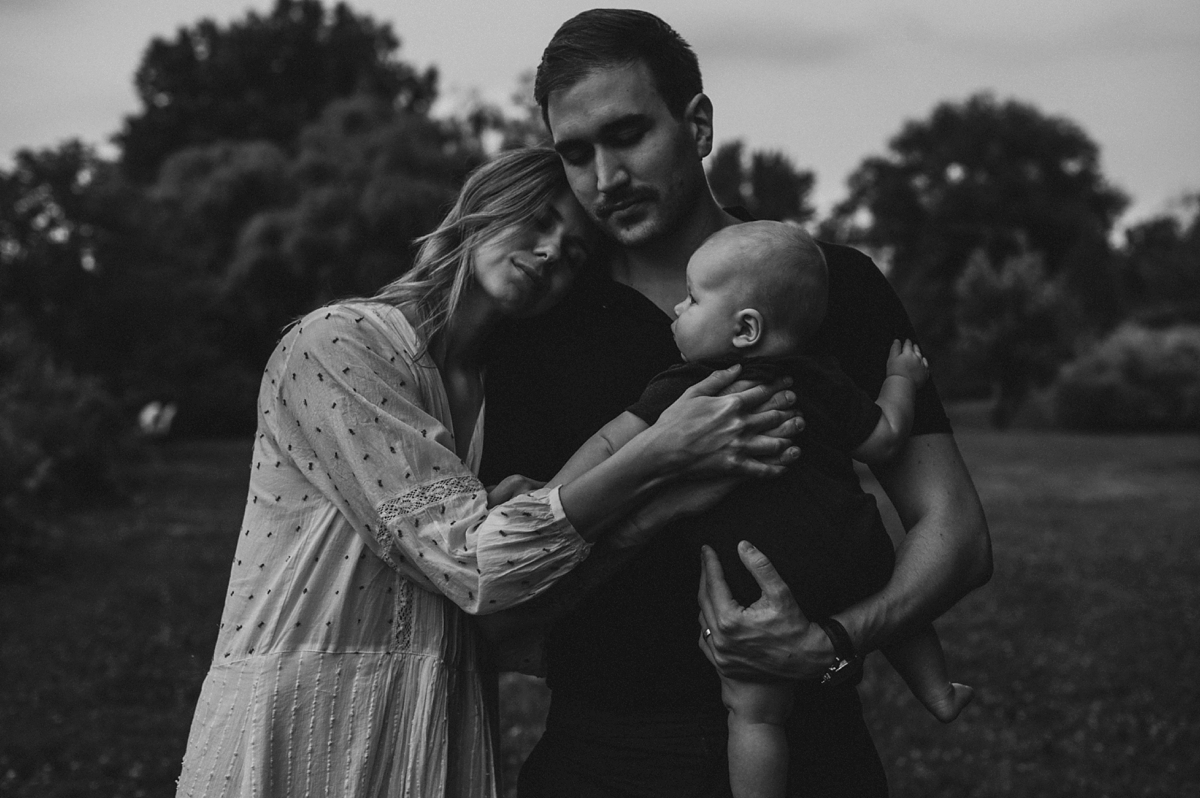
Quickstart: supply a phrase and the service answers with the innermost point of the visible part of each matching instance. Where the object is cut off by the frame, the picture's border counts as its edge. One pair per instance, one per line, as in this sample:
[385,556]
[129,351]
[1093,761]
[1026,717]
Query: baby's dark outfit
[825,537]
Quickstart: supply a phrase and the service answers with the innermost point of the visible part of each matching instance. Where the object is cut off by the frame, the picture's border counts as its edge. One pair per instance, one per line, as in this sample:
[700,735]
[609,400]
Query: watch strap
[847,662]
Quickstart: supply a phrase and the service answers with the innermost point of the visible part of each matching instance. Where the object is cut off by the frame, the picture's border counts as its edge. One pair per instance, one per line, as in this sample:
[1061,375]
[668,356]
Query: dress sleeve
[349,410]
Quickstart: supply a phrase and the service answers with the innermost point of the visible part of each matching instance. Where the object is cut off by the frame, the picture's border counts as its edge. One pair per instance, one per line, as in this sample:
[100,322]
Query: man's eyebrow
[608,129]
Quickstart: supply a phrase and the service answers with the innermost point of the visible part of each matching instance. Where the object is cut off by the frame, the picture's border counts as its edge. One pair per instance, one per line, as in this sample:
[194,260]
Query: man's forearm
[947,550]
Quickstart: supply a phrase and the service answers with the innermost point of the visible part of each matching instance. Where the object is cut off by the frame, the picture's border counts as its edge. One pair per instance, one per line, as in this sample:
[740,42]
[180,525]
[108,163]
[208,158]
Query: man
[636,707]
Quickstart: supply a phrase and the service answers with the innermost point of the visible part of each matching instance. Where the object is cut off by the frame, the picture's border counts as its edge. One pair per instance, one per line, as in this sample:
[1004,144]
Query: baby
[756,294]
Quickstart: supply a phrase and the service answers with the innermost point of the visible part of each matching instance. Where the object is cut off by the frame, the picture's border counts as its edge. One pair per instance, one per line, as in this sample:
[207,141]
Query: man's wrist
[846,660]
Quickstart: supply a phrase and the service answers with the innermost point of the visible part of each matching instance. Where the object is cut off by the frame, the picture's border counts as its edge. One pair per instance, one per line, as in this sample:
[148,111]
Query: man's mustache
[616,202]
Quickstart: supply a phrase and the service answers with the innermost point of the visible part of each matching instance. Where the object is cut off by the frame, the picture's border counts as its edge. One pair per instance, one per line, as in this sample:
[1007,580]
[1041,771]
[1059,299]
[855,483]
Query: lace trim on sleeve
[422,496]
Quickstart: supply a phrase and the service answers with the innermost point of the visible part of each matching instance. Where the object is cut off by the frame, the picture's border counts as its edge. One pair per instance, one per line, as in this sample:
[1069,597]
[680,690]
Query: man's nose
[610,172]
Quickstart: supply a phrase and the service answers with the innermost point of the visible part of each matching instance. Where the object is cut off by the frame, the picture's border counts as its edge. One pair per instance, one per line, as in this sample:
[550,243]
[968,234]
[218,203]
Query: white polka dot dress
[345,663]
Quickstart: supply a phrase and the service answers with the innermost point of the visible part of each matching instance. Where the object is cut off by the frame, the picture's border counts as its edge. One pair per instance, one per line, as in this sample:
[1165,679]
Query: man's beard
[656,219]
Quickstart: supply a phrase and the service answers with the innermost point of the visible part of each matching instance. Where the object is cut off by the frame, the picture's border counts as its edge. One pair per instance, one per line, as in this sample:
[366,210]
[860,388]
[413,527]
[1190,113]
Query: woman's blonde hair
[512,189]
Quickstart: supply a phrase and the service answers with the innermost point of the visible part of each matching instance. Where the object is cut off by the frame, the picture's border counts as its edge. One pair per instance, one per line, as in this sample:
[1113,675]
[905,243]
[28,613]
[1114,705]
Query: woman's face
[526,269]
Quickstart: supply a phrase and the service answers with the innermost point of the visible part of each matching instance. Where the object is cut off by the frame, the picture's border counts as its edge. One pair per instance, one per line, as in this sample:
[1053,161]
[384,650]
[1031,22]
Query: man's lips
[609,207]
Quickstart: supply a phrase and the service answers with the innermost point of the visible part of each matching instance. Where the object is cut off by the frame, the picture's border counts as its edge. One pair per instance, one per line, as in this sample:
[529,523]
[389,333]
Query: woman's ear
[749,328]
[699,115]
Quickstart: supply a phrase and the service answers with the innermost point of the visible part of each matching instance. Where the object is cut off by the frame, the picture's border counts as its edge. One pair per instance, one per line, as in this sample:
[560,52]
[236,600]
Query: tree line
[289,158]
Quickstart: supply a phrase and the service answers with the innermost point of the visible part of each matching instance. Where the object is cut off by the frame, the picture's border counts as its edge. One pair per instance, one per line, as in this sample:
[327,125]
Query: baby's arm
[907,371]
[601,446]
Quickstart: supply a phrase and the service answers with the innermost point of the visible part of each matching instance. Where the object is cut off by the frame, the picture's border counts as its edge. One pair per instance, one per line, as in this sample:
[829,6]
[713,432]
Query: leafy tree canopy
[771,188]
[982,174]
[1011,324]
[1161,265]
[263,77]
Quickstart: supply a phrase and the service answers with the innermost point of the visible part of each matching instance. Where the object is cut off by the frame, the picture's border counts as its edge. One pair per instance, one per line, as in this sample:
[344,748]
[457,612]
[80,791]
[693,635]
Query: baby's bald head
[778,269]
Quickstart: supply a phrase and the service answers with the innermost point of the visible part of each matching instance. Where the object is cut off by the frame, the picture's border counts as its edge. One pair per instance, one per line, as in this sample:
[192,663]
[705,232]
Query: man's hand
[769,639]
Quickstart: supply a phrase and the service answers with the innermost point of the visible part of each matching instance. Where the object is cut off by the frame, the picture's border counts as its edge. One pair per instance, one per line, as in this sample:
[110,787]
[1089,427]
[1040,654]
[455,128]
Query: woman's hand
[716,430]
[509,487]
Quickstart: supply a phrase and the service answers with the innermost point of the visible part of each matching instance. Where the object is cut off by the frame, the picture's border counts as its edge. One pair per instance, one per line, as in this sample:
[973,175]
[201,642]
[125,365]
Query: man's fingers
[774,589]
[714,595]
[782,461]
[769,422]
[790,428]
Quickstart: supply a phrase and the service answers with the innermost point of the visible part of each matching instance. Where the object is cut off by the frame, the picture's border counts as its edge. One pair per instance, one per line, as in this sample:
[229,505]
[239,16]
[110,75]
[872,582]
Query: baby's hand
[906,360]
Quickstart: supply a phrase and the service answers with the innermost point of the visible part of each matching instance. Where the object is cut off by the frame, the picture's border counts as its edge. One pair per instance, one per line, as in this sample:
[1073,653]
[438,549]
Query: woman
[345,663]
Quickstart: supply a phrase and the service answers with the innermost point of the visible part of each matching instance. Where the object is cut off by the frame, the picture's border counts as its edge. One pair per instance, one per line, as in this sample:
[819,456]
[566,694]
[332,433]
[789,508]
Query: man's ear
[749,328]
[699,115]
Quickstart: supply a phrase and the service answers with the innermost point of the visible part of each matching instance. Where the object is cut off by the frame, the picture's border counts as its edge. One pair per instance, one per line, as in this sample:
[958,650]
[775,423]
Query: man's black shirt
[555,380]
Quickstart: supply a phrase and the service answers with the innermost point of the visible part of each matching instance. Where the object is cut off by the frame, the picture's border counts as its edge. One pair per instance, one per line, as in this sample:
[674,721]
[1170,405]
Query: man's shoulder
[839,256]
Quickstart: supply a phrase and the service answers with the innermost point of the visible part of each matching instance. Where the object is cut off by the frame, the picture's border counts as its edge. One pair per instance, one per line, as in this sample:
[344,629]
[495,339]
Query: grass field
[1084,648]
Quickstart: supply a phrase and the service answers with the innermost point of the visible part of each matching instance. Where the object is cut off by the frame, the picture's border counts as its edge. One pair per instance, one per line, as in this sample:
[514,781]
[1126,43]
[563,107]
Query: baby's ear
[750,328]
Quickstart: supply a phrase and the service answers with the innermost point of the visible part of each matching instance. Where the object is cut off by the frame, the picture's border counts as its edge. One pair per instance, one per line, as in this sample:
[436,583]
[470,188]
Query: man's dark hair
[611,37]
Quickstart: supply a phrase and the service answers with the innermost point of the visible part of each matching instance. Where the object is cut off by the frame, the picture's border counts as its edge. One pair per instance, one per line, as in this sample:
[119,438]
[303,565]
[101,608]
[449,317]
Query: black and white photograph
[524,399]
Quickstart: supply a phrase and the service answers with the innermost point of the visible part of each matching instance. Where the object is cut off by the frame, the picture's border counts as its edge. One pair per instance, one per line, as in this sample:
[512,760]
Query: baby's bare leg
[921,663]
[758,752]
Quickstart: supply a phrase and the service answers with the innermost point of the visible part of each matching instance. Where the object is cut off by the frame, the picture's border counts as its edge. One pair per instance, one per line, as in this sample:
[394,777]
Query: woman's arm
[705,433]
[601,446]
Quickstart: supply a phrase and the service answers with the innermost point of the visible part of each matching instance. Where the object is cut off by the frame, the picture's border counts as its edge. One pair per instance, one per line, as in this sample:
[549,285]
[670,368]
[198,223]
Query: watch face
[840,671]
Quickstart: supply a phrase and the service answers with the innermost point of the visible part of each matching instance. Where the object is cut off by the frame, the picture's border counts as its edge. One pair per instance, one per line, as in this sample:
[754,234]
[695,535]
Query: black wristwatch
[847,662]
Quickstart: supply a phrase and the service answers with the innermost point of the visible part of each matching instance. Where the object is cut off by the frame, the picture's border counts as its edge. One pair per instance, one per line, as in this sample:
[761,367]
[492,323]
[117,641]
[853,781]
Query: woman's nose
[549,247]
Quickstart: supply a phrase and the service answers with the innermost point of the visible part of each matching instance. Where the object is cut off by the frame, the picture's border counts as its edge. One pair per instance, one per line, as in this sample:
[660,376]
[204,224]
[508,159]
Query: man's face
[634,167]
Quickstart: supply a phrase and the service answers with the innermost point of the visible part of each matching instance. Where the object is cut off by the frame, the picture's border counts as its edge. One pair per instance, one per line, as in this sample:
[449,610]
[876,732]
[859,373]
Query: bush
[60,439]
[1136,379]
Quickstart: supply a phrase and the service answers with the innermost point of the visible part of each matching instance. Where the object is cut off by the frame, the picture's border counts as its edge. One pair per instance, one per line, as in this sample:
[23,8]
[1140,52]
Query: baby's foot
[947,704]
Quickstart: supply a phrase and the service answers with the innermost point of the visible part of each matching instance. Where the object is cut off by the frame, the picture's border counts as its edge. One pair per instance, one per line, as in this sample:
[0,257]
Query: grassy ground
[1085,647]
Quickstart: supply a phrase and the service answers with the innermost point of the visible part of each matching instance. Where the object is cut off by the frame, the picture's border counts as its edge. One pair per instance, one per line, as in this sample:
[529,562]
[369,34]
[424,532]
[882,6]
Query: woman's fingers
[767,396]
[716,383]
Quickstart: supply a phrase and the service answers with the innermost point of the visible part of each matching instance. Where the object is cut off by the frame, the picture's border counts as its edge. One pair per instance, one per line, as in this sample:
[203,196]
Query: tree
[772,187]
[262,78]
[1001,177]
[366,181]
[1011,327]
[1161,265]
[497,128]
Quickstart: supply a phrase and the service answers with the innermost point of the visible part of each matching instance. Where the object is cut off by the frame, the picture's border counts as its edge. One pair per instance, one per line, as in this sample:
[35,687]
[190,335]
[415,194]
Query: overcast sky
[826,81]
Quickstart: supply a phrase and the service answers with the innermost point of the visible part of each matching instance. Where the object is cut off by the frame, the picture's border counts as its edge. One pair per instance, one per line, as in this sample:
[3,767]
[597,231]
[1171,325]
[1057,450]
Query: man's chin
[634,234]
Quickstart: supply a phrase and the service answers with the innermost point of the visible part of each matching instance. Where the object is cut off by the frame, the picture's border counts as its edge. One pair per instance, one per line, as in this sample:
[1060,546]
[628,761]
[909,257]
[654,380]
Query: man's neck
[658,270]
